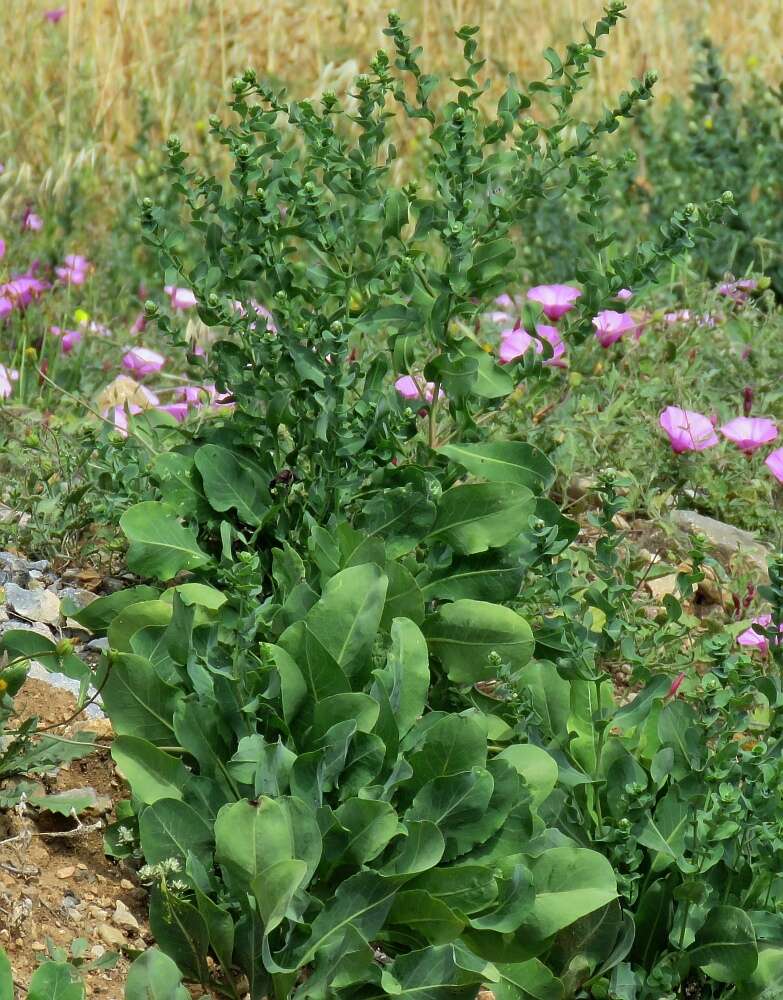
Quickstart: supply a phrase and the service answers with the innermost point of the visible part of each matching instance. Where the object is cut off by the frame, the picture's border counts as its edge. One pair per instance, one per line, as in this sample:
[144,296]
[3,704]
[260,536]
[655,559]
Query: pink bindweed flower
[68,338]
[139,324]
[738,290]
[675,686]
[75,270]
[120,416]
[180,298]
[53,16]
[774,462]
[750,433]
[610,326]
[686,316]
[31,222]
[202,395]
[6,378]
[515,342]
[624,295]
[22,289]
[411,388]
[143,361]
[6,306]
[177,410]
[555,300]
[195,395]
[687,430]
[750,637]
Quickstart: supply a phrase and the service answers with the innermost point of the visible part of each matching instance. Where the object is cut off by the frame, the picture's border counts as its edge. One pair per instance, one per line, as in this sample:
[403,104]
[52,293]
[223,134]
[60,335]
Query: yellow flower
[3,684]
[81,316]
[709,124]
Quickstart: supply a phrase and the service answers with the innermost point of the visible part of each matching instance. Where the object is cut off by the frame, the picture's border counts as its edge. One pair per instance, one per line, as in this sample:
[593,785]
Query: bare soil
[61,887]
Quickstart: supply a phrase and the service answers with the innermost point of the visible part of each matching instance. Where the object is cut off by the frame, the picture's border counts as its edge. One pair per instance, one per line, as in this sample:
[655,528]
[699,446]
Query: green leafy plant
[355,768]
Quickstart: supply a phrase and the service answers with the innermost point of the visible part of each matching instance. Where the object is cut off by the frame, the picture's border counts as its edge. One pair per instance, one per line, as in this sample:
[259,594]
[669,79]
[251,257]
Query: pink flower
[738,290]
[22,289]
[177,410]
[143,361]
[514,343]
[120,416]
[750,433]
[624,295]
[675,686]
[552,336]
[687,430]
[6,306]
[31,221]
[195,395]
[611,326]
[410,388]
[180,298]
[750,637]
[2,249]
[74,271]
[53,16]
[69,338]
[686,316]
[774,462]
[6,377]
[139,324]
[555,300]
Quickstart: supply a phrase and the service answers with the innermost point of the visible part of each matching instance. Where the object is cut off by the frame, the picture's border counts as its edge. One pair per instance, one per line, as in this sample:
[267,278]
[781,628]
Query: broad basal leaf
[479,516]
[232,483]
[160,546]
[464,634]
[504,462]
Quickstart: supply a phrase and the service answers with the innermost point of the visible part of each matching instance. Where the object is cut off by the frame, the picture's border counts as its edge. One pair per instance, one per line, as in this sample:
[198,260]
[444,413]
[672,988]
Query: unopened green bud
[249,76]
[650,78]
[727,198]
[173,142]
[64,647]
[215,121]
[689,210]
[213,300]
[238,85]
[146,204]
[459,115]
[151,308]
[393,18]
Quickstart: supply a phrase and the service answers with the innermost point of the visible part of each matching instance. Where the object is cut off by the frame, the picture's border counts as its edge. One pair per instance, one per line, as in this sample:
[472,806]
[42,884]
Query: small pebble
[111,936]
[67,872]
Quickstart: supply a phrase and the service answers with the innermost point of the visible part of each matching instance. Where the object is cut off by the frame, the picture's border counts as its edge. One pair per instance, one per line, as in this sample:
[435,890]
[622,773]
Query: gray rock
[38,627]
[727,541]
[34,605]
[81,598]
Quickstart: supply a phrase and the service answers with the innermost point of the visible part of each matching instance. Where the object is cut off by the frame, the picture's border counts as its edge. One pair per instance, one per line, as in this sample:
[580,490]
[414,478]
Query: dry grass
[79,85]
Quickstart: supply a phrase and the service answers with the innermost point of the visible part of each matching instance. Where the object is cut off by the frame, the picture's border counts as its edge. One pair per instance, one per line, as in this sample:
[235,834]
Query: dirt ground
[58,887]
